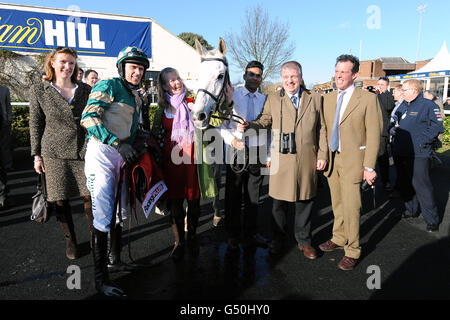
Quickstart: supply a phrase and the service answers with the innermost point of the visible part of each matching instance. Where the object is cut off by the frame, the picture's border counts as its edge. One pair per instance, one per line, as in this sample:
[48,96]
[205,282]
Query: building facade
[31,32]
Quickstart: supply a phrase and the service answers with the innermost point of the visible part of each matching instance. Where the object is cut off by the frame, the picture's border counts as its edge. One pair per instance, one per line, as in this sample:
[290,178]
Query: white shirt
[59,90]
[228,130]
[348,94]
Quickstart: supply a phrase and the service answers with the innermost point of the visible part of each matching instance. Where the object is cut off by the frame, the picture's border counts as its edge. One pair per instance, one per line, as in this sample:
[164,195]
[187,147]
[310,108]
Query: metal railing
[20,103]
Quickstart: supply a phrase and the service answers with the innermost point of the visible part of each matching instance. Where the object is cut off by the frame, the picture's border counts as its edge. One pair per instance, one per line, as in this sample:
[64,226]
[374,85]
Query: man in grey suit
[5,137]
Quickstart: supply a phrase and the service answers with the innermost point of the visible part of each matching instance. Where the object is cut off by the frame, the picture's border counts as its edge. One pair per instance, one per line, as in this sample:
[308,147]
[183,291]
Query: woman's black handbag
[41,209]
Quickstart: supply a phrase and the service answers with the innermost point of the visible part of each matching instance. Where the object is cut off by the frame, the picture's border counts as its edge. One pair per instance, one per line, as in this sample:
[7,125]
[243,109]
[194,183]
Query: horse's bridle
[220,97]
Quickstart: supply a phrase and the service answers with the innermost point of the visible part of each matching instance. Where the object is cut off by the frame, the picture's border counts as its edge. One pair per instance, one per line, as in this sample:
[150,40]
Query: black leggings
[178,214]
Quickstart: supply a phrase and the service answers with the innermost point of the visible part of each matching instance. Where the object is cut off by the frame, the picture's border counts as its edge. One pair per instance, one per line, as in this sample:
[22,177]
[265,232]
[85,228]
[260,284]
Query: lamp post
[421,10]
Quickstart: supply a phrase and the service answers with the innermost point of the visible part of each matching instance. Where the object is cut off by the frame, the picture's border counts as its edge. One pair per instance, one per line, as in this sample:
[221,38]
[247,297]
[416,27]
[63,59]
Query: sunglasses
[66,49]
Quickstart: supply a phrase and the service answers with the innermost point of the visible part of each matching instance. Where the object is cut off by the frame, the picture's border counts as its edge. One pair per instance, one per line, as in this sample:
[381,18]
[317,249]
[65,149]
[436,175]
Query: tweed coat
[360,129]
[293,177]
[57,136]
[55,130]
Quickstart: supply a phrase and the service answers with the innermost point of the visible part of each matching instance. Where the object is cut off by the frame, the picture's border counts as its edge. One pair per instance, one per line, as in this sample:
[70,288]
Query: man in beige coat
[293,173]
[354,122]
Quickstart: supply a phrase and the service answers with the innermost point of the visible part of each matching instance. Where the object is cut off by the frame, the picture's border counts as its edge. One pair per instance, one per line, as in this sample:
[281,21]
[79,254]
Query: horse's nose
[200,116]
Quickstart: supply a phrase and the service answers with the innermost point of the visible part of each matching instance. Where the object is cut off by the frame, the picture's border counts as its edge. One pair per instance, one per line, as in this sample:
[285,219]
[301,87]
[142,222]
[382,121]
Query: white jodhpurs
[102,170]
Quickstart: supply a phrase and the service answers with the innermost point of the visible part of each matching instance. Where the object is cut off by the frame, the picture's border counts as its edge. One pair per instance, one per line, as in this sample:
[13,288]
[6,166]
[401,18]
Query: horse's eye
[220,77]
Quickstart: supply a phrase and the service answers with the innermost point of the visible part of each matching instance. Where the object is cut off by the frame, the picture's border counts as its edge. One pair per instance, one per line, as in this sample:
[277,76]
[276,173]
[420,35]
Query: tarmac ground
[400,260]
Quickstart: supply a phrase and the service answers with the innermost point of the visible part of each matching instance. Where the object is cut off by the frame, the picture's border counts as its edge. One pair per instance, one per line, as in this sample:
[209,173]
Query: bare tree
[261,39]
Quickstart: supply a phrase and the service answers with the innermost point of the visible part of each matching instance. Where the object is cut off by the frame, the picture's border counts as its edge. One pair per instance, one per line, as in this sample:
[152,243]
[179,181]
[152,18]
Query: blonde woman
[58,140]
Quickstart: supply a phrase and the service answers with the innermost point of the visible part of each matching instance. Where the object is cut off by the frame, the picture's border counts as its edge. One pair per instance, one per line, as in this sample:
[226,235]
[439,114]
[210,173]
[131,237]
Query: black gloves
[128,153]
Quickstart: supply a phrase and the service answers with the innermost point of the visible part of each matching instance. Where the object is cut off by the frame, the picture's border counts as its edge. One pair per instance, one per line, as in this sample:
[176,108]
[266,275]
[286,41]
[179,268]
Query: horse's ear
[222,46]
[201,51]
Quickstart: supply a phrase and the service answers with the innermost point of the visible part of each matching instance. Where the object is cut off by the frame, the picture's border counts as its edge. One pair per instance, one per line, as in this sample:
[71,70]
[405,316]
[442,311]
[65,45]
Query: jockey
[111,119]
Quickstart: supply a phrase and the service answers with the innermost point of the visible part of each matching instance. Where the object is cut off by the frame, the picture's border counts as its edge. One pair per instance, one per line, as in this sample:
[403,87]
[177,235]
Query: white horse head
[213,78]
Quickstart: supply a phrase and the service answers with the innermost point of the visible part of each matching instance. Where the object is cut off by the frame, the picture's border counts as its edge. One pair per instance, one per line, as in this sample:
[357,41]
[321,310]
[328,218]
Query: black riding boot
[101,276]
[115,264]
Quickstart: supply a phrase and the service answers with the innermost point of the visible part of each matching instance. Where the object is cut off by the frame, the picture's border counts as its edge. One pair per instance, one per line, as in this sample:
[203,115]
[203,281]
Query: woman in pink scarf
[179,168]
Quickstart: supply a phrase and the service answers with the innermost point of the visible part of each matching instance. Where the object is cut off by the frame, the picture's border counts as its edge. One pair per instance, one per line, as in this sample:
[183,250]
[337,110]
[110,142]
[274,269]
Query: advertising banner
[42,32]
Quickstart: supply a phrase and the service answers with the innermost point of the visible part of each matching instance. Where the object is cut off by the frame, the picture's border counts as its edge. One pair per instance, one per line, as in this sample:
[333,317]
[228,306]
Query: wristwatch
[369,169]
[115,143]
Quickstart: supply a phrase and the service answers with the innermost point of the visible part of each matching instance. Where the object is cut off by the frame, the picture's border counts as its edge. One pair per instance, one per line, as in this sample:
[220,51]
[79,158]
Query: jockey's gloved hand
[128,153]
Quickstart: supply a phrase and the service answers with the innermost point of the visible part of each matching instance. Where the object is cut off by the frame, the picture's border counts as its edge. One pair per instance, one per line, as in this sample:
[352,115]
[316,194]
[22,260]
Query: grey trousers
[302,220]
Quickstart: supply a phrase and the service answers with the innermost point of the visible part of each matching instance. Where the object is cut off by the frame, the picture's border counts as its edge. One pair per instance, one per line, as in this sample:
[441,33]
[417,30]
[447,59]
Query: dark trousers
[242,187]
[383,164]
[302,220]
[416,188]
[218,179]
[178,214]
[5,158]
[3,181]
[383,160]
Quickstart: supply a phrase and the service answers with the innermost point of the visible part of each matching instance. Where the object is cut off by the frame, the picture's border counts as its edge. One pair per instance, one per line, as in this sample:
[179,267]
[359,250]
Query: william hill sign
[41,32]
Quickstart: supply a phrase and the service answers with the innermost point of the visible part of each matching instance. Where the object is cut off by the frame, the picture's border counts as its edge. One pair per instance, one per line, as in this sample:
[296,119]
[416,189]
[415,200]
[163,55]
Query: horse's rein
[230,117]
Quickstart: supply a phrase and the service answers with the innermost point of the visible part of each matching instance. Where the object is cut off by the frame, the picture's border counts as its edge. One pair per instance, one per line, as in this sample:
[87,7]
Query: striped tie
[294,101]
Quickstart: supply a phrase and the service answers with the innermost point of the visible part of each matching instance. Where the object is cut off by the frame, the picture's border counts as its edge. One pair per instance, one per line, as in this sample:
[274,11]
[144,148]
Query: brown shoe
[329,246]
[308,251]
[71,241]
[347,263]
[71,249]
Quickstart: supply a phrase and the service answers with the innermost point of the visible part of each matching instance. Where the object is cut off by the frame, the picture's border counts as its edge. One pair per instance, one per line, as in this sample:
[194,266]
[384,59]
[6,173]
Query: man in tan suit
[354,122]
[297,114]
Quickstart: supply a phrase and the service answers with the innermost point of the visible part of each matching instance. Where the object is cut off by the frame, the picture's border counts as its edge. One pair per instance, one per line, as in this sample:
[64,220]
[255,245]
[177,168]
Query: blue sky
[321,30]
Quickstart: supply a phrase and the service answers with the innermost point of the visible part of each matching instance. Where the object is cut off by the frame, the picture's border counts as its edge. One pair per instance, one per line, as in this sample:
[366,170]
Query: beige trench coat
[293,177]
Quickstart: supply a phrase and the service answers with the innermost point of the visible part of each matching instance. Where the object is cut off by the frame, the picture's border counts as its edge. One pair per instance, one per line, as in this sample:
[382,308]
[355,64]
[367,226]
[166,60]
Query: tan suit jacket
[293,177]
[360,129]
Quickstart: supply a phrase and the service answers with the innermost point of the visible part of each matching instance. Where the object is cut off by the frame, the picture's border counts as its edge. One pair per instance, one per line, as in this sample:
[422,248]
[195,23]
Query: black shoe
[4,205]
[431,227]
[407,215]
[275,247]
[120,266]
[388,187]
[233,244]
[256,240]
[177,252]
[395,194]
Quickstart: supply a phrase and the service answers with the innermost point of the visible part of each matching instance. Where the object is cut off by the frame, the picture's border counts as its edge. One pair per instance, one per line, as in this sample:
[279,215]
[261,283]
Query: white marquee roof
[440,62]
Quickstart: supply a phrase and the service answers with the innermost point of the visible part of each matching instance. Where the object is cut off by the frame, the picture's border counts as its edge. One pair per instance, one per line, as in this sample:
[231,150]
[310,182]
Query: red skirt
[180,172]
